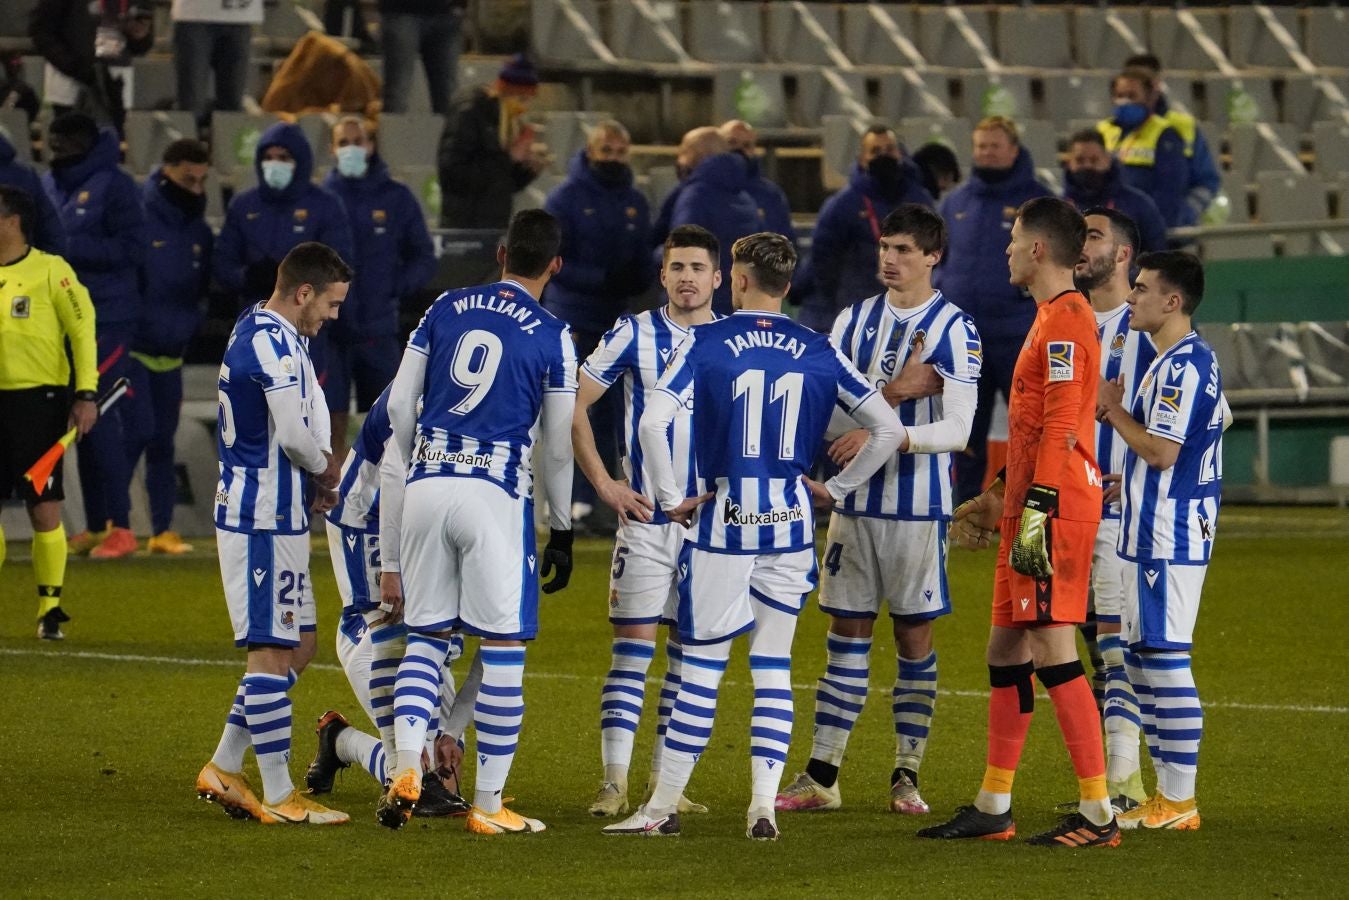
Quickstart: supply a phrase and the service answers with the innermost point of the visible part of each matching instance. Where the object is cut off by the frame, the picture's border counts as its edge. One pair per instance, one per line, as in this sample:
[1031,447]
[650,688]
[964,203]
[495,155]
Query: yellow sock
[998,781]
[1093,788]
[49,567]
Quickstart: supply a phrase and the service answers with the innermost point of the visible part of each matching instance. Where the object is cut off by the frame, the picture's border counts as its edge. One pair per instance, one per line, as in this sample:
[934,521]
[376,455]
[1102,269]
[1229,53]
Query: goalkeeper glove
[557,555]
[1030,550]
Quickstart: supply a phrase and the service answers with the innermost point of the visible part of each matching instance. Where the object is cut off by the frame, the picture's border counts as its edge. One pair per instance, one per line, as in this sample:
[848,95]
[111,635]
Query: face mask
[1130,115]
[277,174]
[1089,181]
[885,171]
[192,205]
[352,161]
[610,173]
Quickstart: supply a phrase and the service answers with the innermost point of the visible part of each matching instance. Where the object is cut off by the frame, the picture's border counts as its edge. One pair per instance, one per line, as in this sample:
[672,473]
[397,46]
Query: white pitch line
[569,676]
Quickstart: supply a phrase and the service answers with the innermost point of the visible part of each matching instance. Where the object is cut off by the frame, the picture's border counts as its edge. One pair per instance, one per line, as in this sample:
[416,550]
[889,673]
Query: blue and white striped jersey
[1172,515]
[638,349]
[492,352]
[358,491]
[766,388]
[1125,355]
[260,488]
[878,339]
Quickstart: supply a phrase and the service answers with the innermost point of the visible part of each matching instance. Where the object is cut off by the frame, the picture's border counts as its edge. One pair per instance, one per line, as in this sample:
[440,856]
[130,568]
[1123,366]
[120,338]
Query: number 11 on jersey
[786,388]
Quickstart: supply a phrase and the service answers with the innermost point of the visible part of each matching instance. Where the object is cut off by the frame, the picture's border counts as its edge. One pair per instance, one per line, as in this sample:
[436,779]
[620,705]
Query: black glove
[260,278]
[557,555]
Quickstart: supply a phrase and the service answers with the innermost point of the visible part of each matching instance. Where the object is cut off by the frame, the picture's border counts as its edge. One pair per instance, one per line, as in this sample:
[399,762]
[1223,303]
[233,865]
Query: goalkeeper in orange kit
[1047,505]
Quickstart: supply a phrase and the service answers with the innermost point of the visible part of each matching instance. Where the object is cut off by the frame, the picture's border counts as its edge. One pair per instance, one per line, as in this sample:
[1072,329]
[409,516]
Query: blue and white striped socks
[770,727]
[388,643]
[1180,721]
[912,702]
[366,751]
[839,696]
[235,739]
[669,689]
[496,717]
[690,725]
[1122,720]
[416,695]
[267,711]
[621,702]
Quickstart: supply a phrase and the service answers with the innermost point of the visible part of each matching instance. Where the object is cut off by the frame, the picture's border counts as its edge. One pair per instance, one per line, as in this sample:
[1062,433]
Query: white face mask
[277,174]
[352,161]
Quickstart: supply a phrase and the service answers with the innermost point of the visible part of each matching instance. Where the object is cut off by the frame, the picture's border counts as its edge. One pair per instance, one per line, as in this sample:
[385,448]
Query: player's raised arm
[868,408]
[959,373]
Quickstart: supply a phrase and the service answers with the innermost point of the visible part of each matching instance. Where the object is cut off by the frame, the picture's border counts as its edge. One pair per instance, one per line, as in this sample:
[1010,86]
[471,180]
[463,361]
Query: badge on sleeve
[1060,361]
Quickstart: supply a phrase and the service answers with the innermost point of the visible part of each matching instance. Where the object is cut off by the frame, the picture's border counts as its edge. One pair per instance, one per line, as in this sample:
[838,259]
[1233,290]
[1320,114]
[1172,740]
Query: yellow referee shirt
[41,304]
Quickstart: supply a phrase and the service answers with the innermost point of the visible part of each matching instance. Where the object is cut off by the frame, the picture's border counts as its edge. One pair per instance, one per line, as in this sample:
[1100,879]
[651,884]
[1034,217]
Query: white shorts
[1107,573]
[644,580]
[354,652]
[898,562]
[267,586]
[716,590]
[355,559]
[469,559]
[1161,603]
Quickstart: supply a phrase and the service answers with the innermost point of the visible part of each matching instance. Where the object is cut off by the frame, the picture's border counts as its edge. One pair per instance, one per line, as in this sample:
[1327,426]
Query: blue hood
[1023,172]
[283,134]
[862,181]
[106,154]
[579,168]
[7,151]
[727,171]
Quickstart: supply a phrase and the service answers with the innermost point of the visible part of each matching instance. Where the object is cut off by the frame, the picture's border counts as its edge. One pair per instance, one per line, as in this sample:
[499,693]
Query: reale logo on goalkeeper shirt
[1060,361]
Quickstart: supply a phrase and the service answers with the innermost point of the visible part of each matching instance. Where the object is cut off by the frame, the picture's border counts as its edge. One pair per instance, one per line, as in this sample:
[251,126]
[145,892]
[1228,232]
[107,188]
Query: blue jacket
[100,206]
[48,235]
[842,265]
[774,209]
[1166,180]
[1132,202]
[393,257]
[979,216]
[606,243]
[175,277]
[716,196]
[262,224]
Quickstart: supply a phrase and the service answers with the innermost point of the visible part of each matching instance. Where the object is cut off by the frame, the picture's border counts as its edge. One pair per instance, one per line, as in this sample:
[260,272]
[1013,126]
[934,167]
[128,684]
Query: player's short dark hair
[771,256]
[693,236]
[914,219]
[533,240]
[1087,136]
[15,201]
[1182,271]
[1122,227]
[1147,61]
[1060,224]
[80,128]
[186,150]
[314,264]
[880,129]
[1142,76]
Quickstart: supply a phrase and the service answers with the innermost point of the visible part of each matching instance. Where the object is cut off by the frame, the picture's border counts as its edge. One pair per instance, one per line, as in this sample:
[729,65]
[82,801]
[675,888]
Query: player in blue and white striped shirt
[1172,484]
[645,572]
[1108,257]
[492,368]
[271,445]
[887,539]
[765,388]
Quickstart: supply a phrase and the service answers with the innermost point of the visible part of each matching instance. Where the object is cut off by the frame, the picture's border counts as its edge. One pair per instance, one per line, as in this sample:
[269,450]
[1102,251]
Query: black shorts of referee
[34,419]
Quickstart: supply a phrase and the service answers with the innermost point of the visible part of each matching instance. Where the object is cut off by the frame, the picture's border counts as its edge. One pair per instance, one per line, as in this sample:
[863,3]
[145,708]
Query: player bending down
[490,365]
[765,388]
[644,580]
[887,539]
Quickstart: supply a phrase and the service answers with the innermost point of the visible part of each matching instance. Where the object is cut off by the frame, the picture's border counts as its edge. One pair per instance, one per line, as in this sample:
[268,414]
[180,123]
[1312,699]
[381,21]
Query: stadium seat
[1292,197]
[792,40]
[1237,246]
[755,95]
[234,138]
[1331,143]
[1002,94]
[1305,103]
[14,17]
[284,24]
[556,34]
[827,91]
[868,42]
[840,142]
[1221,337]
[409,139]
[148,133]
[1249,98]
[1173,42]
[723,32]
[534,195]
[154,84]
[565,133]
[1100,45]
[660,180]
[941,42]
[1075,95]
[425,184]
[1252,151]
[1328,36]
[1252,44]
[1041,139]
[1325,346]
[900,99]
[14,125]
[419,95]
[318,131]
[632,35]
[1035,37]
[1268,357]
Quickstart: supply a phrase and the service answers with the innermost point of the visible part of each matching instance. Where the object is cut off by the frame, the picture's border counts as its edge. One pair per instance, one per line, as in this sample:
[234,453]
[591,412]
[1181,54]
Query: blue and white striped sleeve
[961,355]
[561,378]
[853,389]
[678,378]
[278,365]
[615,354]
[420,339]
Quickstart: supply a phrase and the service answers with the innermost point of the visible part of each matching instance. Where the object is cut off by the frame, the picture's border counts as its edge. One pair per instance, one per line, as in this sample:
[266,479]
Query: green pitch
[101,738]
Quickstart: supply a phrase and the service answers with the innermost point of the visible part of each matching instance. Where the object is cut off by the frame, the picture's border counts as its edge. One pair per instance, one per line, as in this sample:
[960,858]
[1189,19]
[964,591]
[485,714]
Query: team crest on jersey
[1117,346]
[20,308]
[919,337]
[379,216]
[288,620]
[83,197]
[158,244]
[1060,361]
[301,215]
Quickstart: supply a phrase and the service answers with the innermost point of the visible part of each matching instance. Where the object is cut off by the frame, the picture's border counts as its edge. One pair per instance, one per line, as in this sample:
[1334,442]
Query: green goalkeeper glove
[1030,551]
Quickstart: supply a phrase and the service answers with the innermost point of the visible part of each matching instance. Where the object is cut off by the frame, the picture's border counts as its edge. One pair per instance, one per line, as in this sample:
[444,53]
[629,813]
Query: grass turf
[102,736]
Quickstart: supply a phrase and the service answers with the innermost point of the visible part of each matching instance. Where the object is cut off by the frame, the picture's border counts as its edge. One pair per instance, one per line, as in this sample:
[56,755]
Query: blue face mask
[277,174]
[1130,115]
[352,161]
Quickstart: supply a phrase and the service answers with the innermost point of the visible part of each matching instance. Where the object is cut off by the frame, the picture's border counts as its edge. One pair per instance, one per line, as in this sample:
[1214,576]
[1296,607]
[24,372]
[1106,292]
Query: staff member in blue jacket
[266,222]
[1092,178]
[979,216]
[1151,152]
[773,206]
[48,233]
[606,241]
[395,259]
[176,274]
[100,207]
[842,265]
